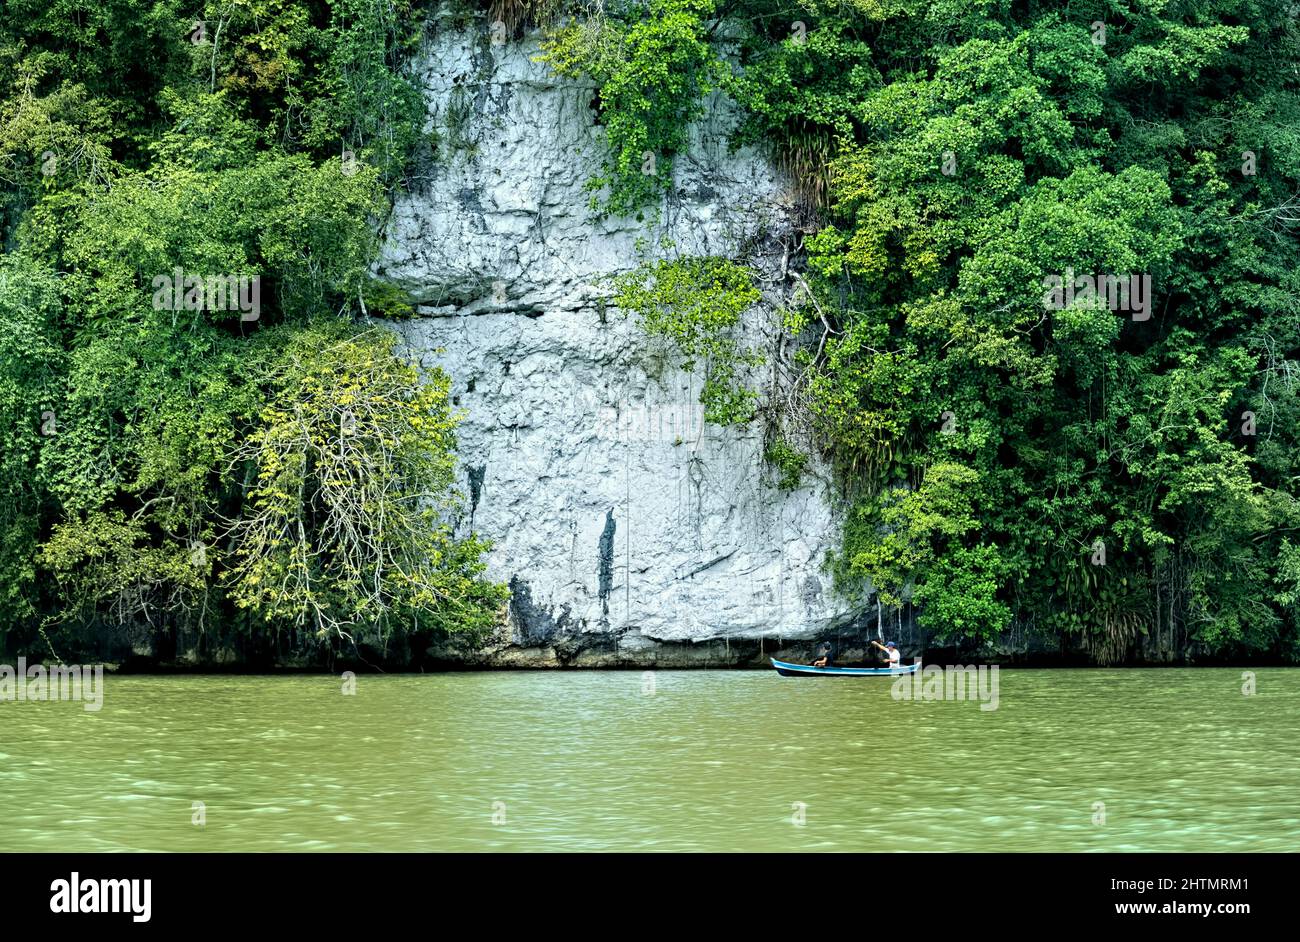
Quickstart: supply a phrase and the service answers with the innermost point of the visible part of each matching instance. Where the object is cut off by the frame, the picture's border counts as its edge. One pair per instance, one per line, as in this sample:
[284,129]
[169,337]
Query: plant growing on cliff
[652,66]
[788,461]
[696,304]
[801,87]
[347,524]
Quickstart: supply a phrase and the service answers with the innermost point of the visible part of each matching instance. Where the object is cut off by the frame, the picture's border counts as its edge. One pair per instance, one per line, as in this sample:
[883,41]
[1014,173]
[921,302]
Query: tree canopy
[206,433]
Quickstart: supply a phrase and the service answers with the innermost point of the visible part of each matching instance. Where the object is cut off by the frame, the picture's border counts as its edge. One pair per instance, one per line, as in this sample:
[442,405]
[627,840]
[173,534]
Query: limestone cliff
[626,527]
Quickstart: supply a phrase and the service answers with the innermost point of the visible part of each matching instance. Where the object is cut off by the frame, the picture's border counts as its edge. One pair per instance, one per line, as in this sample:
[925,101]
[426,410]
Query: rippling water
[710,760]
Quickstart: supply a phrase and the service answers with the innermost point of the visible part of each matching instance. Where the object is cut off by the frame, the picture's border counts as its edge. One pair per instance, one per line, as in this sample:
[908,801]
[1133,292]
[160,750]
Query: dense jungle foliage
[1101,473]
[1102,469]
[250,457]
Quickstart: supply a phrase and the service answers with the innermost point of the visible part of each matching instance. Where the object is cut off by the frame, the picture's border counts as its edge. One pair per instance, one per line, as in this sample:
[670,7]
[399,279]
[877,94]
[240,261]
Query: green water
[710,760]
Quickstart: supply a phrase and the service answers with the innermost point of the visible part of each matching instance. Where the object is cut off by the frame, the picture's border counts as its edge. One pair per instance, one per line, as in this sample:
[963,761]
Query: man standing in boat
[891,651]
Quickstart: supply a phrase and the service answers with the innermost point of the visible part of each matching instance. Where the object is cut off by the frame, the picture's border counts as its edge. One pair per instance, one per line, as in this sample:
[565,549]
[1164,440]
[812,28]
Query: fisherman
[891,651]
[824,656]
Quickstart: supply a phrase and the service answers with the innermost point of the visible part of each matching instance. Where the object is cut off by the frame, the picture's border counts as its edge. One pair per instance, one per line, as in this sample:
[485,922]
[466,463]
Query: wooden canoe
[807,670]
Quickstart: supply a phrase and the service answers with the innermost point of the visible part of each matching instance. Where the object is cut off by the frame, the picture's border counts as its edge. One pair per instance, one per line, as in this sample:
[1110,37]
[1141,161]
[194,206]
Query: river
[1072,760]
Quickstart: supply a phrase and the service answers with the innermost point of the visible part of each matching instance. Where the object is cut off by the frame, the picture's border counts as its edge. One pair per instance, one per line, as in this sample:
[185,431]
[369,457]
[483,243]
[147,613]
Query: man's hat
[890,644]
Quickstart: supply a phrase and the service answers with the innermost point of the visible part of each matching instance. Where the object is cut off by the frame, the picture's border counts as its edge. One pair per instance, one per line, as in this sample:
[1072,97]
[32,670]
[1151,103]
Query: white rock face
[619,518]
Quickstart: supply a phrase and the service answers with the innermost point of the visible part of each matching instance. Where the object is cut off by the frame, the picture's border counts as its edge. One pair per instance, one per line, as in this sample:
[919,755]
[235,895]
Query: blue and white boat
[807,670]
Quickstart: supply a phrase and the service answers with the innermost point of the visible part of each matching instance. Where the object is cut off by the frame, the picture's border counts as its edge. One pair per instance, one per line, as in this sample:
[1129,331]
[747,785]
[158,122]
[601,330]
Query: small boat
[807,670]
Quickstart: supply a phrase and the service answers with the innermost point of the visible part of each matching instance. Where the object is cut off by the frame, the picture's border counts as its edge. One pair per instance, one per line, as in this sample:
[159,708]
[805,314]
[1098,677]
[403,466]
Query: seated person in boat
[824,656]
[891,651]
